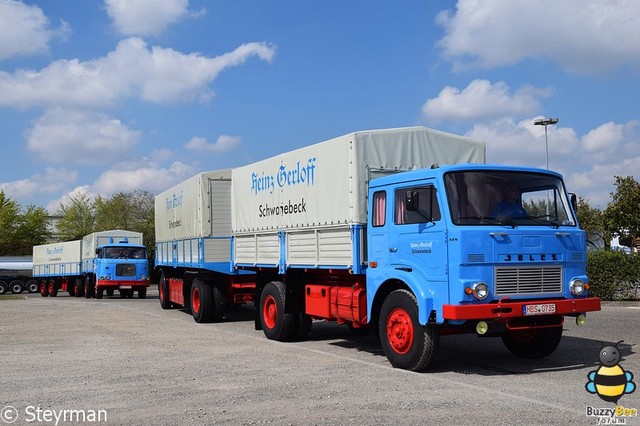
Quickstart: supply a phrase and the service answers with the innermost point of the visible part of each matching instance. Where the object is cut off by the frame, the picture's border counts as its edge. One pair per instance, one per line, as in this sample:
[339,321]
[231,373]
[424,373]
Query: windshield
[125,252]
[507,198]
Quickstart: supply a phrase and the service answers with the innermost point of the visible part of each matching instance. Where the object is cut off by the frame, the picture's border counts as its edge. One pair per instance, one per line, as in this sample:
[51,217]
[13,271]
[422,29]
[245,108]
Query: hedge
[614,275]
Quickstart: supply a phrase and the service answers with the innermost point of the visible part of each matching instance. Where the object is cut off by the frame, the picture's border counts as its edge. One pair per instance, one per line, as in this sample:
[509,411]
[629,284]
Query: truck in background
[193,248]
[367,230]
[100,263]
[15,274]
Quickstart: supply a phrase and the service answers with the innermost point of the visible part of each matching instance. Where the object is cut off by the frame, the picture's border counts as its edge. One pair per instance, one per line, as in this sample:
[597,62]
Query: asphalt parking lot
[134,363]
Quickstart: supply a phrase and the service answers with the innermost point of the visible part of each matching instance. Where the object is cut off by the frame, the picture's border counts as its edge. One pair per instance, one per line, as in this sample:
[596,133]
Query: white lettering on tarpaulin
[284,176]
[174,201]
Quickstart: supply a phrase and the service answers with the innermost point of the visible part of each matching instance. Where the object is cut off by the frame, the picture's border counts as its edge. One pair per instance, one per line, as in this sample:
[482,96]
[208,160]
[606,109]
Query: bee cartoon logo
[610,381]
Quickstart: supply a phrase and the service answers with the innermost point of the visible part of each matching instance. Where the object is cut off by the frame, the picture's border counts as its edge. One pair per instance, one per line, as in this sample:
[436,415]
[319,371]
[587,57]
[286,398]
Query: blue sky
[118,95]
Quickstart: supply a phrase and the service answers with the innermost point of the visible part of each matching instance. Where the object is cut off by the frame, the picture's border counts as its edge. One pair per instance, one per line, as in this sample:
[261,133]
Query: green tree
[9,212]
[621,217]
[32,229]
[591,219]
[77,217]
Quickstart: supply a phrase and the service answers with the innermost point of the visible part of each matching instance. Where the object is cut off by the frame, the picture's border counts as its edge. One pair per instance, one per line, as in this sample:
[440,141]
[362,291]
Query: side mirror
[573,199]
[412,200]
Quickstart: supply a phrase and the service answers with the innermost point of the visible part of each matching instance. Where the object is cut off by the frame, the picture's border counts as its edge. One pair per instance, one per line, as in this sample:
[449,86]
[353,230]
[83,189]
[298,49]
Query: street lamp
[545,122]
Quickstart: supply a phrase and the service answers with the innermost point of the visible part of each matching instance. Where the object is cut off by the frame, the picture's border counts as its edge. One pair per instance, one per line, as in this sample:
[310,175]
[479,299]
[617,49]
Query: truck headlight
[577,286]
[479,291]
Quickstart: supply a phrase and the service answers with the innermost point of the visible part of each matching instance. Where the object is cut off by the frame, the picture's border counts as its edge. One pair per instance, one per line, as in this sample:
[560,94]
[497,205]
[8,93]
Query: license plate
[542,309]
[125,287]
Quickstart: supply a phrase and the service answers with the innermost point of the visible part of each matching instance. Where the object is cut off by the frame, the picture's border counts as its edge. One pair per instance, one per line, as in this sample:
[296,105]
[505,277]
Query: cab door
[417,239]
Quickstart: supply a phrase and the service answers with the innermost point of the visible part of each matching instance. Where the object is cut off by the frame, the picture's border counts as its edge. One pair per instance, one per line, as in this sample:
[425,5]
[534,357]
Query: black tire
[3,287]
[16,286]
[533,343]
[201,299]
[276,323]
[44,288]
[71,289]
[99,293]
[406,343]
[53,288]
[89,287]
[79,285]
[32,286]
[142,292]
[303,327]
[163,292]
[109,292]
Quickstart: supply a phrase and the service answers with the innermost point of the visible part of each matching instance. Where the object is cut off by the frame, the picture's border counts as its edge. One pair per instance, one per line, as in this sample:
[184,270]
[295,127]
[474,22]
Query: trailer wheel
[44,288]
[3,287]
[406,343]
[16,286]
[142,293]
[533,343]
[32,286]
[276,323]
[163,292]
[79,286]
[53,289]
[202,307]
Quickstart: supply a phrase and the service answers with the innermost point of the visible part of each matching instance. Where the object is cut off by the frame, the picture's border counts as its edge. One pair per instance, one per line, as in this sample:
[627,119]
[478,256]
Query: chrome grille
[528,280]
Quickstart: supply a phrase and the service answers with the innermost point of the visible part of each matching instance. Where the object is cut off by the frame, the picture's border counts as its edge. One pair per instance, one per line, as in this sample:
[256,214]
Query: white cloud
[132,70]
[25,30]
[588,163]
[222,144]
[82,137]
[147,176]
[145,17]
[583,37]
[482,100]
[51,181]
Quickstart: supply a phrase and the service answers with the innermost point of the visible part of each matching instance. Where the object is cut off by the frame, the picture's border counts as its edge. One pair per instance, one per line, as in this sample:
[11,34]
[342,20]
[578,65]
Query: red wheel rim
[43,288]
[400,331]
[195,300]
[524,336]
[270,311]
[51,286]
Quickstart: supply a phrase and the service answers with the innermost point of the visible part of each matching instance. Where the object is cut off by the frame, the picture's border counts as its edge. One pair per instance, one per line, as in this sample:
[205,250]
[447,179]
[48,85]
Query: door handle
[393,249]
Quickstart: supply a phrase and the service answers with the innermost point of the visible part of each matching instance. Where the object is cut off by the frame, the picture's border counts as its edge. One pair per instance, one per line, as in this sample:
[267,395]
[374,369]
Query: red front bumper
[512,309]
[122,283]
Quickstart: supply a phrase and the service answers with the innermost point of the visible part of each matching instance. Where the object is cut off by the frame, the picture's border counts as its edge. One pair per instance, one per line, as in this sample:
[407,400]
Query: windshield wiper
[491,219]
[542,218]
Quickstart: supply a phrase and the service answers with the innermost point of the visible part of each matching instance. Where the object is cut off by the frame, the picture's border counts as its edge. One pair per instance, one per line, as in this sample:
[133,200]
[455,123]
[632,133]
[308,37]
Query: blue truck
[405,233]
[99,264]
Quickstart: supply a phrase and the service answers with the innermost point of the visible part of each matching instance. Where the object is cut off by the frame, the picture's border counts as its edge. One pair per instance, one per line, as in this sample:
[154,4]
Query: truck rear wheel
[16,287]
[163,292]
[533,343]
[44,288]
[202,307]
[276,323]
[3,287]
[406,343]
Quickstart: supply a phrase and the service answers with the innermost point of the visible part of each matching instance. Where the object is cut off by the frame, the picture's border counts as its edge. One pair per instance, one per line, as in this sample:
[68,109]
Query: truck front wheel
[406,343]
[276,323]
[533,343]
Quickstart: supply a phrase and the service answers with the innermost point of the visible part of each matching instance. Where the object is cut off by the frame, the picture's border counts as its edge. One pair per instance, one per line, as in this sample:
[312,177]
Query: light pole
[545,122]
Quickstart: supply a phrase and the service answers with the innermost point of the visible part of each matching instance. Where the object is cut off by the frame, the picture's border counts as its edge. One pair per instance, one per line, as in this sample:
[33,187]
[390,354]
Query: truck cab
[487,249]
[121,266]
